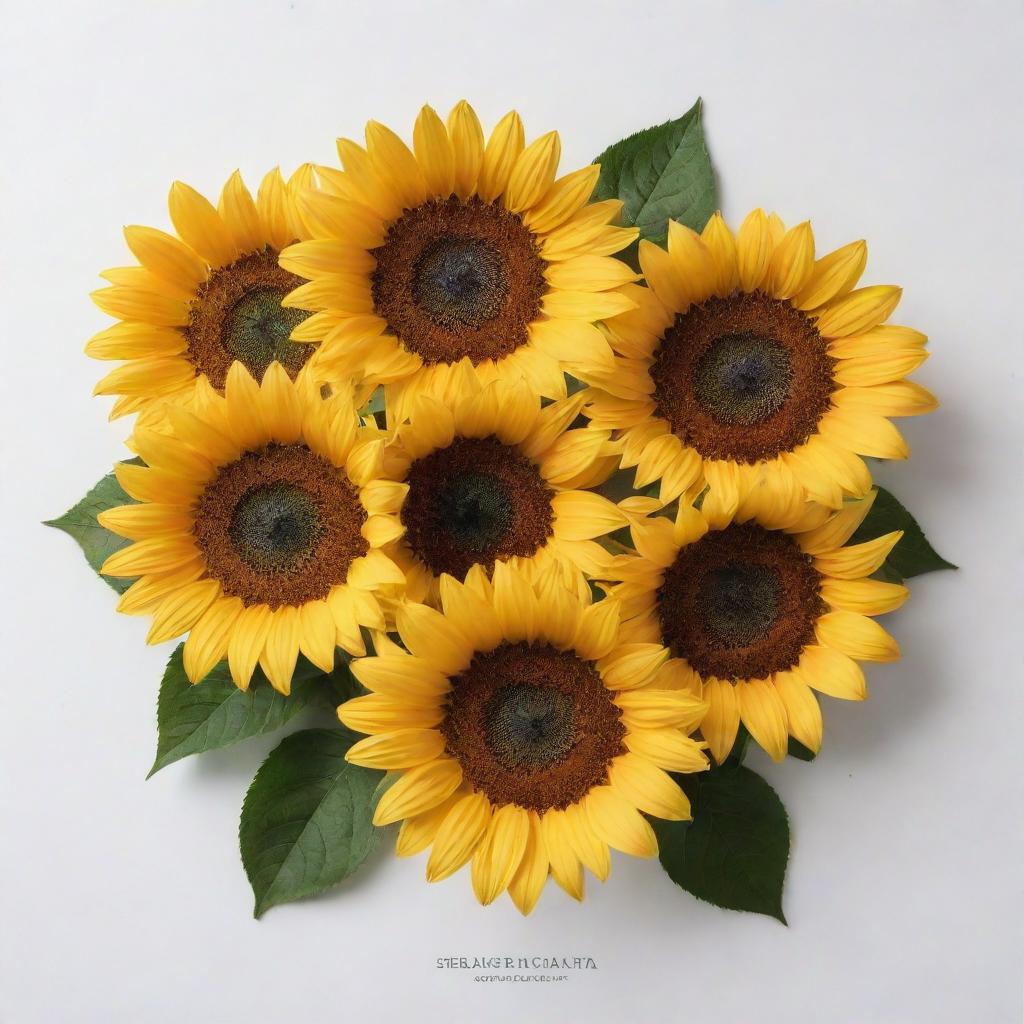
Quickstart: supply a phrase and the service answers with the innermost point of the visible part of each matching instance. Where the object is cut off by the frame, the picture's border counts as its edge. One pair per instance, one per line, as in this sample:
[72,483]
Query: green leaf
[97,544]
[799,751]
[307,818]
[913,555]
[660,174]
[214,713]
[734,852]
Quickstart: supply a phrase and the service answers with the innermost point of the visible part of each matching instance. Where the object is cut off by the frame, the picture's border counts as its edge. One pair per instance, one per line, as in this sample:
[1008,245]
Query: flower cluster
[574,516]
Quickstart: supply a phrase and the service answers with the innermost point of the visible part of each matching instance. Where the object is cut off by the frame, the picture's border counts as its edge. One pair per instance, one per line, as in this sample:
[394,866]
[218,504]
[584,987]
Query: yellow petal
[615,820]
[272,203]
[566,868]
[648,788]
[417,833]
[764,715]
[515,604]
[200,226]
[418,790]
[869,597]
[317,634]
[245,645]
[668,749]
[631,665]
[434,152]
[429,635]
[662,275]
[583,515]
[832,672]
[722,720]
[721,243]
[403,748]
[803,713]
[237,209]
[207,644]
[377,714]
[754,249]
[467,139]
[154,554]
[403,676]
[464,826]
[498,856]
[130,303]
[281,650]
[395,164]
[566,197]
[792,261]
[857,636]
[857,560]
[500,155]
[859,311]
[181,610]
[598,629]
[833,276]
[533,172]
[592,851]
[166,256]
[528,881]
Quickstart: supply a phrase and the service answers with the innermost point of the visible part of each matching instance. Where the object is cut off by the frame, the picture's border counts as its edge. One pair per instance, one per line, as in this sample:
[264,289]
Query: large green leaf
[97,544]
[734,852]
[913,555]
[214,713]
[661,174]
[307,818]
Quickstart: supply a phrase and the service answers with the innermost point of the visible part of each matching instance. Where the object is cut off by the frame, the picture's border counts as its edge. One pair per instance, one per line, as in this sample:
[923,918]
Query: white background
[124,900]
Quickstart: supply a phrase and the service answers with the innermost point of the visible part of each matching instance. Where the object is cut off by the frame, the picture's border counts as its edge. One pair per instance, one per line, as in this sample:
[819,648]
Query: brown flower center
[238,315]
[532,726]
[475,501]
[742,378]
[279,526]
[459,278]
[740,603]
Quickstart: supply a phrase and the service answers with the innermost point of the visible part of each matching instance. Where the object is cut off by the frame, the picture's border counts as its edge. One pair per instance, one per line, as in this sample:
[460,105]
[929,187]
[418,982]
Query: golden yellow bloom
[493,477]
[749,363]
[258,530]
[529,737]
[760,608]
[458,248]
[205,297]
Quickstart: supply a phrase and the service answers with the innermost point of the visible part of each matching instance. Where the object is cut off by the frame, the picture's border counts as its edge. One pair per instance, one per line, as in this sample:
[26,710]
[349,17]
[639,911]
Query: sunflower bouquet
[551,488]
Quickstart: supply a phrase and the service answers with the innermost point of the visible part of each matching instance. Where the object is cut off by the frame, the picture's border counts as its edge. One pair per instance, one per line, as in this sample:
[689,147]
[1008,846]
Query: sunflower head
[749,363]
[258,528]
[529,737]
[204,297]
[495,476]
[458,249]
[760,608]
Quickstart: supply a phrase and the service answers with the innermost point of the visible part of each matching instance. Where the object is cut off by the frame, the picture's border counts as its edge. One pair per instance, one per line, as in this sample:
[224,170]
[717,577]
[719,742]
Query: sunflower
[529,738]
[458,249]
[257,529]
[494,476]
[749,363]
[760,608]
[204,298]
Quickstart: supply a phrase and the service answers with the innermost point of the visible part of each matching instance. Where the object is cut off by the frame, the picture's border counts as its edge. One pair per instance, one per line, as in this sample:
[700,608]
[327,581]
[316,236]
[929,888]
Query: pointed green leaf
[734,852]
[799,751]
[307,818]
[97,544]
[913,555]
[662,173]
[214,713]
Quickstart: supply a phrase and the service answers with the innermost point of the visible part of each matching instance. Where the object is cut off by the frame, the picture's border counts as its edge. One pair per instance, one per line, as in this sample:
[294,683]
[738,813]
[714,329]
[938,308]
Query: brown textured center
[742,378]
[475,501]
[459,278]
[532,726]
[238,314]
[740,603]
[279,526]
